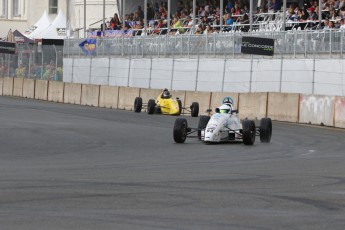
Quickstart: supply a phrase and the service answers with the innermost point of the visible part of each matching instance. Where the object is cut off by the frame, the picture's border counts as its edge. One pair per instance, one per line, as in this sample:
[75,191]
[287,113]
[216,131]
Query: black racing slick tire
[248,132]
[180,130]
[203,121]
[151,106]
[138,103]
[194,109]
[179,102]
[265,130]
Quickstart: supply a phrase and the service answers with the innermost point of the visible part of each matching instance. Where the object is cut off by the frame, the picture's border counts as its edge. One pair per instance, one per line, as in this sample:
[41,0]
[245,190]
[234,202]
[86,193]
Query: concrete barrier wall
[318,110]
[283,107]
[108,96]
[90,95]
[8,86]
[72,93]
[147,94]
[339,117]
[1,84]
[180,94]
[55,91]
[29,88]
[126,97]
[313,109]
[41,90]
[252,105]
[18,87]
[203,98]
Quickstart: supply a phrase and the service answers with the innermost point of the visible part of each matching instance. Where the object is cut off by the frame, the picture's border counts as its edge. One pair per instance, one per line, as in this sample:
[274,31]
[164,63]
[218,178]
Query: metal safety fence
[33,61]
[303,43]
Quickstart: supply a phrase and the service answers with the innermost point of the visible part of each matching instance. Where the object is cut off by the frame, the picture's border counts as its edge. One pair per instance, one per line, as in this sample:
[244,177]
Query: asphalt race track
[75,167]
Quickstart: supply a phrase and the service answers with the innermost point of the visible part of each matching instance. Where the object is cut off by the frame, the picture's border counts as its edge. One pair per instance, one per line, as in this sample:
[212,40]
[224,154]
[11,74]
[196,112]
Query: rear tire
[265,130]
[138,103]
[179,102]
[203,121]
[151,106]
[180,130]
[248,132]
[194,109]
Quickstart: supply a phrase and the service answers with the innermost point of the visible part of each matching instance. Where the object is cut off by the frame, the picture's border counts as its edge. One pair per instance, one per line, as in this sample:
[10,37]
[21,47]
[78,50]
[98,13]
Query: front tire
[248,132]
[194,109]
[138,103]
[203,121]
[180,130]
[151,106]
[265,130]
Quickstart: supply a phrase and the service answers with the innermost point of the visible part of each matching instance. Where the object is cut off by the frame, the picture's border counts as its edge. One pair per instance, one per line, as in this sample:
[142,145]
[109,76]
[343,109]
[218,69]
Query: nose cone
[211,136]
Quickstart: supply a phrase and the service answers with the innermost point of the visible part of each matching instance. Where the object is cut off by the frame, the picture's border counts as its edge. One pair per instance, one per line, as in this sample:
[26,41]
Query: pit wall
[288,107]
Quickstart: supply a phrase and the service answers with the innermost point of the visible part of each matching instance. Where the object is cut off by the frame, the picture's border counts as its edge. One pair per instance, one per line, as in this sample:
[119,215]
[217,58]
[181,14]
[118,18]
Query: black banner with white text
[258,46]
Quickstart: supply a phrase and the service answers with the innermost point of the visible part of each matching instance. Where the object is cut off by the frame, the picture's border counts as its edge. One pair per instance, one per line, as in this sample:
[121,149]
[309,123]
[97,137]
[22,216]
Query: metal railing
[302,43]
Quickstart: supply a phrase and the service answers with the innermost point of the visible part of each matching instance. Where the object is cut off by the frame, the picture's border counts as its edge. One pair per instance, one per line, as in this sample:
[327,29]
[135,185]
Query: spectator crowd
[235,16]
[47,72]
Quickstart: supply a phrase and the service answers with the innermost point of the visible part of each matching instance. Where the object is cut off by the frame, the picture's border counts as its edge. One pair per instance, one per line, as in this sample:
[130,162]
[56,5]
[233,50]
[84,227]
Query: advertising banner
[258,46]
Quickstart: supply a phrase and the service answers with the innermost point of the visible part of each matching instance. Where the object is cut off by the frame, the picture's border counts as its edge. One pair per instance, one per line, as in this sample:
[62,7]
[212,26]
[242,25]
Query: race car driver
[165,94]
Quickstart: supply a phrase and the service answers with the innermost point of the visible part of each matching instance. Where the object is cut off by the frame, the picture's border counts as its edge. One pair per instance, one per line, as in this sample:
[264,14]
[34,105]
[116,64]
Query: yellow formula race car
[165,104]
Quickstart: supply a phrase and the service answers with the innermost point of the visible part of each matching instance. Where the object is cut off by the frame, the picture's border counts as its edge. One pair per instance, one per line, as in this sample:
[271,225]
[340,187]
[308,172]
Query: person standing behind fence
[2,70]
[21,71]
[49,72]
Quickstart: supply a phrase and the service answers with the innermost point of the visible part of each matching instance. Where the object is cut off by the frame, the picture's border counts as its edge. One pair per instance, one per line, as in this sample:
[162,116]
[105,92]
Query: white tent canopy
[41,25]
[56,30]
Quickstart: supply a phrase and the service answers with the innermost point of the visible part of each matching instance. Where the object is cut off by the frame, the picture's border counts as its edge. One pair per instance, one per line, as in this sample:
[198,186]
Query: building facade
[22,14]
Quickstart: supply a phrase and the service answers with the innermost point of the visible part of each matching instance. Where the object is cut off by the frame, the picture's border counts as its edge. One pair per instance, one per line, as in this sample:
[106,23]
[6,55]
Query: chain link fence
[303,43]
[33,61]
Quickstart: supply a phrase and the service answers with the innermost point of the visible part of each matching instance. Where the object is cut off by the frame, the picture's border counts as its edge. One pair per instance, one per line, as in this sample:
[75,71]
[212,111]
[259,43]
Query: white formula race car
[223,126]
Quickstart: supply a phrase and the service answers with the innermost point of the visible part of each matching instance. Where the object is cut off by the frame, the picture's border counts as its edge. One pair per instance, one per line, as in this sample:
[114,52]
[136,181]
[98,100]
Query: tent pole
[145,17]
[169,13]
[194,15]
[320,14]
[124,14]
[68,32]
[84,18]
[284,15]
[251,15]
[221,8]
[103,17]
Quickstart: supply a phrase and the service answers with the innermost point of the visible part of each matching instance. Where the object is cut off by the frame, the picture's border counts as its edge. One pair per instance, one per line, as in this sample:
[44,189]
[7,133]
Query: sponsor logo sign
[258,46]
